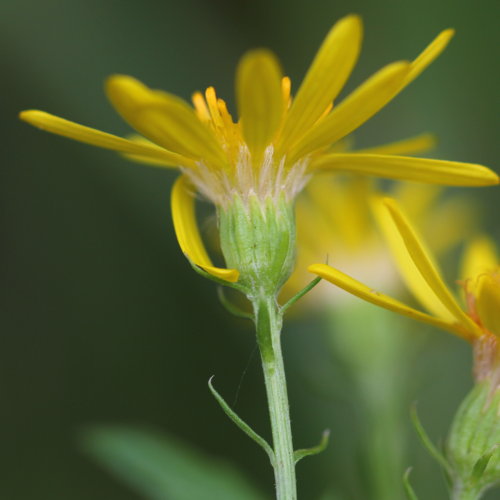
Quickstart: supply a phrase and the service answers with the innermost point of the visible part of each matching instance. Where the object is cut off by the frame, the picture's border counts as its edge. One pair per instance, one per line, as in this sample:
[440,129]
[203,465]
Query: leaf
[241,424]
[300,294]
[300,454]
[162,468]
[428,444]
[410,492]
[232,308]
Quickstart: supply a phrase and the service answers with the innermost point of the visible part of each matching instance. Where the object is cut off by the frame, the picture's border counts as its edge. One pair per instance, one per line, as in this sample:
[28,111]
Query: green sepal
[300,454]
[428,444]
[300,294]
[230,307]
[473,445]
[410,492]
[240,423]
[482,463]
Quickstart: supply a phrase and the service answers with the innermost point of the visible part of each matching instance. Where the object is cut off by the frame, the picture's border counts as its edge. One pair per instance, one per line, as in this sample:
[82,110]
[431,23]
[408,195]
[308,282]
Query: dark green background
[102,318]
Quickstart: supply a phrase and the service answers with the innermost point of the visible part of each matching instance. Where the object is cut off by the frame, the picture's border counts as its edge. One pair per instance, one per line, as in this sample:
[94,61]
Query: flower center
[270,178]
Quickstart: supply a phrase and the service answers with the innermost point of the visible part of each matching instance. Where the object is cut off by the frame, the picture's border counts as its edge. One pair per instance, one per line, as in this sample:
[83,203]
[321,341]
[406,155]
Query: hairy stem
[268,324]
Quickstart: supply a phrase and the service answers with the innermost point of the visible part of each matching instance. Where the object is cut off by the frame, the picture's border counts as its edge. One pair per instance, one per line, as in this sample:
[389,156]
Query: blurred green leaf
[162,468]
[410,492]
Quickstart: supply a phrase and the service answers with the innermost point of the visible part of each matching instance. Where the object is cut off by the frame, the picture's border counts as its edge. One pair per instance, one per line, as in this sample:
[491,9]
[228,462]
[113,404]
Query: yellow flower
[277,142]
[477,322]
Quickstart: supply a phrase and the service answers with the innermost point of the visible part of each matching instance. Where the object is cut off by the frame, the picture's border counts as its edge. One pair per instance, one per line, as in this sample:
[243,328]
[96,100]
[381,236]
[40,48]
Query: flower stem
[268,323]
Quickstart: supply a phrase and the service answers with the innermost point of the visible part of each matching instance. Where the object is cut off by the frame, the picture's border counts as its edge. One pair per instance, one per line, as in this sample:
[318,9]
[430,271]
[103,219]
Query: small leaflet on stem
[300,294]
[230,307]
[240,423]
[410,492]
[300,454]
[428,444]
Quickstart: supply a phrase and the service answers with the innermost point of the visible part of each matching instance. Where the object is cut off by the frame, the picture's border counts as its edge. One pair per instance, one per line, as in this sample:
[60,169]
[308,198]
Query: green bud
[258,238]
[474,443]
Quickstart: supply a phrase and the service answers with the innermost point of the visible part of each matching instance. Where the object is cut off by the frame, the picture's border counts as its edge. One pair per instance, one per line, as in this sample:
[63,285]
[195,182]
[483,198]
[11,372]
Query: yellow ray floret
[410,273]
[325,78]
[425,265]
[71,130]
[165,119]
[450,173]
[188,236]
[364,292]
[260,99]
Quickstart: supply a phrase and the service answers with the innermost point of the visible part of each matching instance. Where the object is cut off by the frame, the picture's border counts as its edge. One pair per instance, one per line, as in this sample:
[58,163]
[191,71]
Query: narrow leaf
[241,424]
[428,444]
[300,294]
[230,307]
[300,454]
[410,492]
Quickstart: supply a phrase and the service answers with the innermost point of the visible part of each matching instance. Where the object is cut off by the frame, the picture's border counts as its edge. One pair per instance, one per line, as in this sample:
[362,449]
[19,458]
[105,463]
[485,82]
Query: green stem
[268,324]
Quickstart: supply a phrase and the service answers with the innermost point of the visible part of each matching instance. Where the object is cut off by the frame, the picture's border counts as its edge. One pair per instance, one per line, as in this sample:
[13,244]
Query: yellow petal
[413,145]
[407,268]
[145,160]
[165,119]
[426,267]
[364,292]
[488,302]
[260,98]
[429,54]
[66,128]
[188,236]
[369,98]
[449,173]
[354,110]
[479,257]
[324,80]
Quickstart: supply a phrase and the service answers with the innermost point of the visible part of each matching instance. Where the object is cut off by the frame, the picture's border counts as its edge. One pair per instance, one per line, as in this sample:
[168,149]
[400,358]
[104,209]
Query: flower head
[477,321]
[277,142]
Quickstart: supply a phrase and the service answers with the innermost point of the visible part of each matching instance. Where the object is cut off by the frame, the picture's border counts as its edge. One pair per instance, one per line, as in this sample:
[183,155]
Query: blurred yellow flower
[477,322]
[277,143]
[335,221]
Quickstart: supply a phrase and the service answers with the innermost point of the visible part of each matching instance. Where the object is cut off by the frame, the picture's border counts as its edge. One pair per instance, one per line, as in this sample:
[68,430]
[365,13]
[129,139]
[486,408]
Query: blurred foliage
[103,320]
[161,468]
